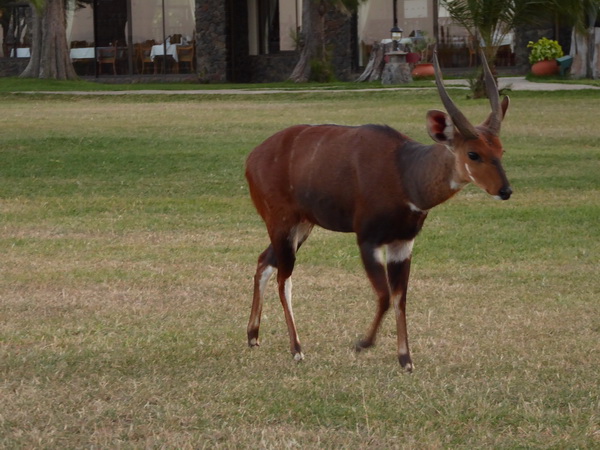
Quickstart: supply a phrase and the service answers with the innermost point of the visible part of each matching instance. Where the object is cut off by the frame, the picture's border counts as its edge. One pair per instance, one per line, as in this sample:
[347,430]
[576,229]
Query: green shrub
[544,49]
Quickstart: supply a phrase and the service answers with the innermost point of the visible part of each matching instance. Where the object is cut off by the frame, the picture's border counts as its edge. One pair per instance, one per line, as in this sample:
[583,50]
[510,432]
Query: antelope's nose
[505,193]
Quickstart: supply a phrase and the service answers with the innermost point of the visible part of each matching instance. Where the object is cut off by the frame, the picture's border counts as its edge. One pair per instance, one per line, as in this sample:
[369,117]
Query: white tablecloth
[82,53]
[508,39]
[159,50]
[22,52]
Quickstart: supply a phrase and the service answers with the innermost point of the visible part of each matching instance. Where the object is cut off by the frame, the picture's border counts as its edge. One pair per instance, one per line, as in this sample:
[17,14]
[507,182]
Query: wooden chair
[122,58]
[142,56]
[107,55]
[472,51]
[186,55]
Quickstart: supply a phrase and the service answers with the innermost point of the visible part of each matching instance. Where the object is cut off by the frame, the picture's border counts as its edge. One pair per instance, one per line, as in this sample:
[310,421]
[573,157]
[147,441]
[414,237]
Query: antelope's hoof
[406,363]
[299,356]
[362,345]
[253,343]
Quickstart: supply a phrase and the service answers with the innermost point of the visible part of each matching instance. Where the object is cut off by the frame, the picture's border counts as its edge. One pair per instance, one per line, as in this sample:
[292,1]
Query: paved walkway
[522,84]
[514,83]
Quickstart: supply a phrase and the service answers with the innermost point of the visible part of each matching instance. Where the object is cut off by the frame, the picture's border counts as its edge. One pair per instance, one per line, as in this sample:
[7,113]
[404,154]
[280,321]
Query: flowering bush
[544,49]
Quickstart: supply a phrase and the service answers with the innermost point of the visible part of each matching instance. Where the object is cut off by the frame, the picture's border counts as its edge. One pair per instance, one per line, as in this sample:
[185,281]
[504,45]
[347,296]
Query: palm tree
[491,20]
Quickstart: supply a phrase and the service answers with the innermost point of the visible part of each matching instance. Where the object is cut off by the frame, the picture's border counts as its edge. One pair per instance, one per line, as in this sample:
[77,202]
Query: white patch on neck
[414,207]
[455,185]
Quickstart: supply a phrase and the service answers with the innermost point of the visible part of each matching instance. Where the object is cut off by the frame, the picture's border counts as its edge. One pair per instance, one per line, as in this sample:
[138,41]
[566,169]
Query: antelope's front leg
[398,268]
[372,258]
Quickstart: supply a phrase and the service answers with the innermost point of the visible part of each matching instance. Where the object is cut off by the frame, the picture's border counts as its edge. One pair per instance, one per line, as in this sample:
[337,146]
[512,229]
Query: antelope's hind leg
[264,269]
[286,246]
[280,256]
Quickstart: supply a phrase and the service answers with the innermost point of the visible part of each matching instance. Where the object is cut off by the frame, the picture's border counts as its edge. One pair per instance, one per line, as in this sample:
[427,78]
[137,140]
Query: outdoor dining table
[159,50]
[82,53]
[22,52]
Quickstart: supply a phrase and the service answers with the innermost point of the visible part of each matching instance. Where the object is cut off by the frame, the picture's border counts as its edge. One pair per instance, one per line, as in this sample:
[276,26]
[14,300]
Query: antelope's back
[323,170]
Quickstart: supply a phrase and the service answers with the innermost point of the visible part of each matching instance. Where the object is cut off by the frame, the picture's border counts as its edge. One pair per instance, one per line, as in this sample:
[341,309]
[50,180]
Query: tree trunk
[376,63]
[313,39]
[583,50]
[589,68]
[50,58]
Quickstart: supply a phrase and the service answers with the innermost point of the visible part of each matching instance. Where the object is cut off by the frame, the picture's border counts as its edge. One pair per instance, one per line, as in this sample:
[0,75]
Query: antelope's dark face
[480,162]
[478,150]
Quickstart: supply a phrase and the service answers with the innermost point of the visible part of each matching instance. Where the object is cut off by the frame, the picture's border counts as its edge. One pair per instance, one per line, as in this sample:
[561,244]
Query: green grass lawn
[129,243]
[16,84]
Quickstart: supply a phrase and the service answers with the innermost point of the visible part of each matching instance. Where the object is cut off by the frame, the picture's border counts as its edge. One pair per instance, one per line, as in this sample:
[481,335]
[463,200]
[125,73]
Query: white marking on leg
[402,349]
[264,279]
[402,346]
[379,254]
[262,285]
[399,251]
[396,302]
[287,292]
[299,233]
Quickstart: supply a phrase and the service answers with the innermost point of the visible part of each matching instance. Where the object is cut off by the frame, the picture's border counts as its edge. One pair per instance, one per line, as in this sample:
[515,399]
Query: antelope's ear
[439,126]
[503,106]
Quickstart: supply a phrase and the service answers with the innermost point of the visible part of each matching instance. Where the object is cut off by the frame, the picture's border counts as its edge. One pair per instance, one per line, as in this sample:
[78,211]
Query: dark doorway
[111,20]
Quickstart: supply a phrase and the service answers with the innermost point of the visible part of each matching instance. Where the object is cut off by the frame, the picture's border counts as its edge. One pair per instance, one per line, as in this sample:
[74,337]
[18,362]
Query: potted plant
[422,46]
[543,56]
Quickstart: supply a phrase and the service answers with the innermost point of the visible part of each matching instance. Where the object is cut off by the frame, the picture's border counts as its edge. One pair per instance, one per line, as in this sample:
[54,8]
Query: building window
[273,25]
[142,31]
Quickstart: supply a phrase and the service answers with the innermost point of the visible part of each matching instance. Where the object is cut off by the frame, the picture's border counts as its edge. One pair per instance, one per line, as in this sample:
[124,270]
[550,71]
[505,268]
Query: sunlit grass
[128,247]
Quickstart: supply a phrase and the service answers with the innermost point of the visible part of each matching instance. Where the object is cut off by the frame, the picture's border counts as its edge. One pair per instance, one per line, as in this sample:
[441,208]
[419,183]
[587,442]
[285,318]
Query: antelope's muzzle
[505,193]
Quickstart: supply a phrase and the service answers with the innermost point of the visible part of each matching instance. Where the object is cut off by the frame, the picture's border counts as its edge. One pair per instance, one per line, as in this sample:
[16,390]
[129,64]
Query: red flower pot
[423,70]
[545,68]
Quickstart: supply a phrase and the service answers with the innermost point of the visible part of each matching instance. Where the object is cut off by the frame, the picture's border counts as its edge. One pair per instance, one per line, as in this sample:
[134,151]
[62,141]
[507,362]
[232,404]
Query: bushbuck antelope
[375,182]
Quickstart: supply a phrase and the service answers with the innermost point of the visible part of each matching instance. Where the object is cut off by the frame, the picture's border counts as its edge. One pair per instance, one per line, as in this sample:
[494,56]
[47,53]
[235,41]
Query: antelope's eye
[474,156]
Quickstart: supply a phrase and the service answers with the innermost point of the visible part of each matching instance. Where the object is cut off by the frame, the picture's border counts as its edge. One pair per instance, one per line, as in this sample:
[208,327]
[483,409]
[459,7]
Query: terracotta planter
[423,70]
[545,68]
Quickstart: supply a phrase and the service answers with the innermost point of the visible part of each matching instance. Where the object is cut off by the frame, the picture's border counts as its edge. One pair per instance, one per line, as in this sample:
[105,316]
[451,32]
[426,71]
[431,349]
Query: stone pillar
[211,40]
[396,70]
